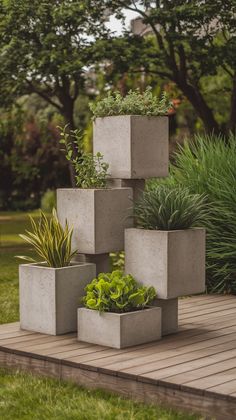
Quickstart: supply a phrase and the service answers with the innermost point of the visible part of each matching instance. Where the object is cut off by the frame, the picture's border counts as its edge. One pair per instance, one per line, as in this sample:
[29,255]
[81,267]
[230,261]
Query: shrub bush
[134,103]
[30,159]
[169,207]
[207,165]
[117,292]
[48,201]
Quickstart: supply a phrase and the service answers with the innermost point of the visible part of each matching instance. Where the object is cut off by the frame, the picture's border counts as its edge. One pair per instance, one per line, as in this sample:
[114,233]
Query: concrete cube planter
[119,330]
[98,217]
[135,146]
[49,297]
[171,261]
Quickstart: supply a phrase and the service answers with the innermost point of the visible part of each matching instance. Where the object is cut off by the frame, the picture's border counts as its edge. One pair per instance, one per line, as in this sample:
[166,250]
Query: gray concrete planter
[171,261]
[49,297]
[98,217]
[119,330]
[135,146]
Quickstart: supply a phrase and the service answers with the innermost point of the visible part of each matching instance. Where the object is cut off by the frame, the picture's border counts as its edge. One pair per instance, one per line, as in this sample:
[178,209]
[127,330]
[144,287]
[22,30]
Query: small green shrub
[48,201]
[90,170]
[50,241]
[167,207]
[117,292]
[134,103]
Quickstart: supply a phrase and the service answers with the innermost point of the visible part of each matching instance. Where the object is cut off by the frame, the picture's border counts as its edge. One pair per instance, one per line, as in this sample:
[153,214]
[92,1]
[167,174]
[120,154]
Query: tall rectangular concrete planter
[119,330]
[135,146]
[171,261]
[98,217]
[49,297]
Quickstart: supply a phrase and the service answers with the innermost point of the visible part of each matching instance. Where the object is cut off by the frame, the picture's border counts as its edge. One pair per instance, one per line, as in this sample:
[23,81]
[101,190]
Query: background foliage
[208,166]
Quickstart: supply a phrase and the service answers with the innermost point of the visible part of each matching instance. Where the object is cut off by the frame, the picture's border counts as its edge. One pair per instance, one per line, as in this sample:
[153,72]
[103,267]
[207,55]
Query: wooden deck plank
[163,350]
[32,339]
[13,334]
[193,307]
[80,349]
[208,310]
[200,299]
[205,317]
[214,379]
[14,326]
[225,388]
[35,340]
[134,354]
[152,366]
[227,320]
[165,373]
[202,372]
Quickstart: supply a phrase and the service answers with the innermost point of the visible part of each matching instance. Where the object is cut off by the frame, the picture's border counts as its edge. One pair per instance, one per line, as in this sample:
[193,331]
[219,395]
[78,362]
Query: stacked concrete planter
[98,217]
[119,330]
[137,148]
[171,261]
[134,146]
[49,297]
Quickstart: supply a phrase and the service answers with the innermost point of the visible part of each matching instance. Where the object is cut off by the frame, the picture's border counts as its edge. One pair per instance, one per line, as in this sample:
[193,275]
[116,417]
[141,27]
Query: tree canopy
[187,41]
[46,48]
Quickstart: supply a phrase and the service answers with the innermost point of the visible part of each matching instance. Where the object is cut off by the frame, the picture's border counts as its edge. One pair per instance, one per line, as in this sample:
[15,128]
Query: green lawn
[24,397]
[30,398]
[11,224]
[9,307]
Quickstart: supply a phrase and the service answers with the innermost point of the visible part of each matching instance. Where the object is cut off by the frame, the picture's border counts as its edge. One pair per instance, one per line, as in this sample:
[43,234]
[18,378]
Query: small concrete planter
[119,330]
[98,217]
[49,297]
[171,261]
[135,146]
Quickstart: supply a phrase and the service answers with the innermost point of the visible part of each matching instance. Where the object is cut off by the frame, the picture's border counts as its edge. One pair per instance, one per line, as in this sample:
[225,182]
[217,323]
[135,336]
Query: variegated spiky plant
[50,241]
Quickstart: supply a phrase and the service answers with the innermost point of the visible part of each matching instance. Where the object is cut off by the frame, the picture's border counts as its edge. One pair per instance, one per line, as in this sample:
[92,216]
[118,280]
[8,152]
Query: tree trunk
[232,119]
[202,109]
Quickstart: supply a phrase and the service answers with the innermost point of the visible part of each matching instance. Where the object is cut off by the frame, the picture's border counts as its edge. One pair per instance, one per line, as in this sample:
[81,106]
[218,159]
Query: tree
[188,41]
[30,156]
[46,47]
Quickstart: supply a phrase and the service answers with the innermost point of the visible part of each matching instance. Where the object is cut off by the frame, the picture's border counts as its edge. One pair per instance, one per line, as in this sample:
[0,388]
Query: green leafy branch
[90,170]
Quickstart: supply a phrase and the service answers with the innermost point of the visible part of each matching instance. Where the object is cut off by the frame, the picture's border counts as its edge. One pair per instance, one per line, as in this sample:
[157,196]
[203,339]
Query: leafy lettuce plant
[117,292]
[50,241]
[134,103]
[170,207]
[90,170]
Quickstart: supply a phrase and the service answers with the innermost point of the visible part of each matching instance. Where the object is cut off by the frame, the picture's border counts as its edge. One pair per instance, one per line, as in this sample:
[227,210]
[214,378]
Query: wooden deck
[194,369]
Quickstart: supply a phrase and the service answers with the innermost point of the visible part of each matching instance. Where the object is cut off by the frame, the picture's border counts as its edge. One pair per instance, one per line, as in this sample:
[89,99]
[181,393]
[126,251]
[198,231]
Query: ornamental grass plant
[50,241]
[169,207]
